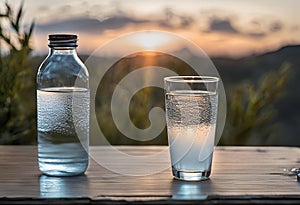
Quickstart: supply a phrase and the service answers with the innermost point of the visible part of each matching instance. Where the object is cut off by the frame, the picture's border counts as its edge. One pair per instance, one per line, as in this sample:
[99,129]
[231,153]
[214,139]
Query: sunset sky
[220,27]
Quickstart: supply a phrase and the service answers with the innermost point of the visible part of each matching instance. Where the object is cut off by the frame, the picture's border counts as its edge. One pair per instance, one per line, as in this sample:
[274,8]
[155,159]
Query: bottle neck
[62,51]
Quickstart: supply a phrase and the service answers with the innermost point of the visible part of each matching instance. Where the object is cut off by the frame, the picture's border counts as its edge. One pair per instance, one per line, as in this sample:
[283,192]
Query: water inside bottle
[63,130]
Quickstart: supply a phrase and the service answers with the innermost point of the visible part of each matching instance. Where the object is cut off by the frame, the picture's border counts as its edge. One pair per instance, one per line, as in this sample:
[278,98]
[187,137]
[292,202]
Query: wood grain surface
[240,175]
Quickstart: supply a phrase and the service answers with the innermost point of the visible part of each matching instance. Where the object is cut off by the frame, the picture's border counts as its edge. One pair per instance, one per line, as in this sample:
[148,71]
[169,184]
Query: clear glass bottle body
[63,110]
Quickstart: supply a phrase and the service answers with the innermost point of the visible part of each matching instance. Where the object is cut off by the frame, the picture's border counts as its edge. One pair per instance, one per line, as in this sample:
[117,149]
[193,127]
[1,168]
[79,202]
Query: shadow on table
[63,187]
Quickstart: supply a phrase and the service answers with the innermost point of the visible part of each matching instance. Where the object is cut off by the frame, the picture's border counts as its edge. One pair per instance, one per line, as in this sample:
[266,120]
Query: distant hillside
[252,68]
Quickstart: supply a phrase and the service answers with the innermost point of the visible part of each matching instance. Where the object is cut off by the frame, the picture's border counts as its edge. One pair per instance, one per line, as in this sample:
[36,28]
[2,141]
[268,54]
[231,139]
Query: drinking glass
[191,114]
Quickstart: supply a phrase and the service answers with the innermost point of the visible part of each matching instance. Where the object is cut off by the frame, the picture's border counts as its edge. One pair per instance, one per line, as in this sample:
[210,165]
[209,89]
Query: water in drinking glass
[191,122]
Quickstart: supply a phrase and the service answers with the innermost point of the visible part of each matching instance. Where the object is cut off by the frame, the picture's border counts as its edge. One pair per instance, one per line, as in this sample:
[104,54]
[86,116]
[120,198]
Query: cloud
[222,25]
[169,20]
[173,20]
[88,25]
[43,8]
[276,26]
[256,34]
[255,29]
[268,28]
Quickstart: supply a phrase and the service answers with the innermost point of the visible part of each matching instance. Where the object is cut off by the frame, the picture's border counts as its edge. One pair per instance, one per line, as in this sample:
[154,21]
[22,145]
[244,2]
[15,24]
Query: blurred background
[255,46]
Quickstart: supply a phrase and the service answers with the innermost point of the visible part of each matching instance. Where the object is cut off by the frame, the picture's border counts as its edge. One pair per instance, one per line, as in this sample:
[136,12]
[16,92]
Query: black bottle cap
[63,40]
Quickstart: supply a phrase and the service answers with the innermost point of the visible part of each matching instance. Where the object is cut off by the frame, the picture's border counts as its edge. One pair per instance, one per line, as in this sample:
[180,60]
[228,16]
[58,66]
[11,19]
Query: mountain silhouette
[253,68]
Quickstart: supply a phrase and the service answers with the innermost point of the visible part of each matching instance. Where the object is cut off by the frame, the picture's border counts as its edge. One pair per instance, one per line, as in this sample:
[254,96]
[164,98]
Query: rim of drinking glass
[192,79]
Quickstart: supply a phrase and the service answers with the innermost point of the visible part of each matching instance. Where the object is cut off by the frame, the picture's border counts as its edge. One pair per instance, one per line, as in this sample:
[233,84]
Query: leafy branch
[17,88]
[251,110]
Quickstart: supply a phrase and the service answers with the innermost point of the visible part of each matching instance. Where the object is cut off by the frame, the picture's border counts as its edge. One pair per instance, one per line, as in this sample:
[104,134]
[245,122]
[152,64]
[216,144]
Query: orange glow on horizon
[151,41]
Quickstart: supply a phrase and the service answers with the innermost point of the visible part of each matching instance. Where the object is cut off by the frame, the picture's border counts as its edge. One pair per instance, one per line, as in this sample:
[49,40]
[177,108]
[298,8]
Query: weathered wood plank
[239,174]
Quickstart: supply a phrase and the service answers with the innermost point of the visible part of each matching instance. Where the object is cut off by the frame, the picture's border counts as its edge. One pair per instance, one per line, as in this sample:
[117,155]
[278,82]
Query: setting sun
[152,40]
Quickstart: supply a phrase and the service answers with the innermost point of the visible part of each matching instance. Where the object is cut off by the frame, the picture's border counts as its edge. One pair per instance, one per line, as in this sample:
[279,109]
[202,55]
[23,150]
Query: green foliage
[17,88]
[251,110]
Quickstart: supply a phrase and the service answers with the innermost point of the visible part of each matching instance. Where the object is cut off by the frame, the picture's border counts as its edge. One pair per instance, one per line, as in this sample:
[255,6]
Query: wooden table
[241,175]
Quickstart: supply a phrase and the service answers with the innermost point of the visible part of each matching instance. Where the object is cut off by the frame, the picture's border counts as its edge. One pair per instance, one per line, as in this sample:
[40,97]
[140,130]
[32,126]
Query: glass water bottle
[63,100]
